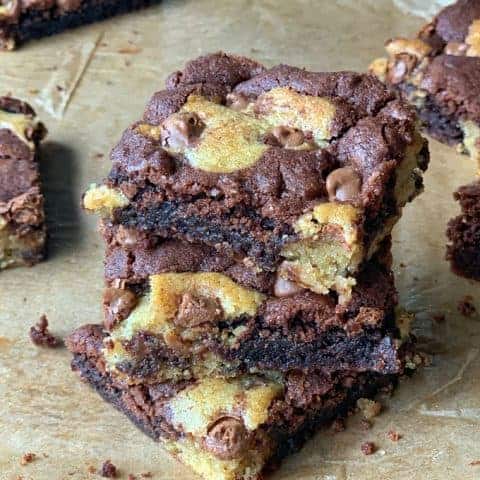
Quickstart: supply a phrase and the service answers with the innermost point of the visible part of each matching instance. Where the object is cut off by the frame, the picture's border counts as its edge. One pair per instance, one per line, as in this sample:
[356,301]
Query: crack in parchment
[463,413]
[57,94]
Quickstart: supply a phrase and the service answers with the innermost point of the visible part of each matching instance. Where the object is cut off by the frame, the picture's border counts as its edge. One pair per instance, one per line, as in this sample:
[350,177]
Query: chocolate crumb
[368,448]
[369,408]
[109,470]
[27,458]
[466,306]
[394,436]
[40,336]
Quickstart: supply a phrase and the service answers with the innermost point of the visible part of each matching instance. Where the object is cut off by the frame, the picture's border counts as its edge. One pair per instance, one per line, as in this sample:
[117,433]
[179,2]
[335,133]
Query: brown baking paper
[88,85]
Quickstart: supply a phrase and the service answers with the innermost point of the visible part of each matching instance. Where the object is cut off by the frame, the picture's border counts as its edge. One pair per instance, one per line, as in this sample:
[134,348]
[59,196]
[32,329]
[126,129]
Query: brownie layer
[22,20]
[180,325]
[463,233]
[293,171]
[22,227]
[229,429]
[438,72]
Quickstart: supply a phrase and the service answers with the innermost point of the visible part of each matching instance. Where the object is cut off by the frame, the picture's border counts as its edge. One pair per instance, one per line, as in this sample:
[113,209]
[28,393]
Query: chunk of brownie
[22,20]
[438,71]
[227,429]
[295,173]
[463,232]
[22,218]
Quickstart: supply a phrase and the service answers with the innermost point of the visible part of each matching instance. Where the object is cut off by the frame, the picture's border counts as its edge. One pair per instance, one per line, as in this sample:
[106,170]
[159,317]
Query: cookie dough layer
[22,20]
[22,227]
[463,232]
[438,72]
[227,429]
[296,172]
[197,324]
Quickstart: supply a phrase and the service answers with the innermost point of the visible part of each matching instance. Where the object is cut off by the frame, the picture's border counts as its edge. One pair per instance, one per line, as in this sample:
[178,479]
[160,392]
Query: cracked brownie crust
[22,227]
[299,172]
[438,72]
[227,429]
[22,20]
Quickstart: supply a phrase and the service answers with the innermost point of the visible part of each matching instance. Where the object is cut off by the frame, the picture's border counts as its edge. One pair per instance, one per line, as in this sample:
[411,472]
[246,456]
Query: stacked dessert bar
[22,218]
[438,72]
[22,20]
[249,295]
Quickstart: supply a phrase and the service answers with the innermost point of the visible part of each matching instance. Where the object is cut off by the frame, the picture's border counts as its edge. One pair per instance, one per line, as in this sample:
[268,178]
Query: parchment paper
[88,85]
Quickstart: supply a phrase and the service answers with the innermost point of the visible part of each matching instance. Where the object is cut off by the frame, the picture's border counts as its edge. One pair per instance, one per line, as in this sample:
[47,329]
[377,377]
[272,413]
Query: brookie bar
[438,72]
[22,20]
[197,324]
[232,429]
[22,227]
[290,172]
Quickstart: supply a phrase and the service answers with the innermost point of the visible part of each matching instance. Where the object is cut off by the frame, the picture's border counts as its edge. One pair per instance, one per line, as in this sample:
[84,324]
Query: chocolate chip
[117,305]
[285,288]
[237,101]
[182,130]
[288,136]
[195,310]
[343,184]
[227,438]
[403,64]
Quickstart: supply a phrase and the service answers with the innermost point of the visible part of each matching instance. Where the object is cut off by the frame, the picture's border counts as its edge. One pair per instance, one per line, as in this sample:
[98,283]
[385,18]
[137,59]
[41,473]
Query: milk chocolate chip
[181,130]
[285,288]
[237,101]
[288,136]
[343,184]
[227,438]
[117,305]
[195,310]
[403,64]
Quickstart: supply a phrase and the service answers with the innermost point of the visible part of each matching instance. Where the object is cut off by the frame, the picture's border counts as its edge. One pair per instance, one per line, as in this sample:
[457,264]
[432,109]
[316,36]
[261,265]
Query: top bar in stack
[438,72]
[247,218]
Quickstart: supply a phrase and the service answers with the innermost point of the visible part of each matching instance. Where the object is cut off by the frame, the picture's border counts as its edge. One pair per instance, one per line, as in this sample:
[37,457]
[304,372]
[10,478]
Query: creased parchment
[105,74]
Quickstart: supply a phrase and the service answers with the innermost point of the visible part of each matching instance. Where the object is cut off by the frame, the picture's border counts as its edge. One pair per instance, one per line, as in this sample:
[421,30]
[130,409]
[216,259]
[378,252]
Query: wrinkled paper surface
[88,85]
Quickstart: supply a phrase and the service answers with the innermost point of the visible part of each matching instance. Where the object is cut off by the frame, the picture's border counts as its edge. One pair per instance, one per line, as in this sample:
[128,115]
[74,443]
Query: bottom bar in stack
[227,429]
[464,233]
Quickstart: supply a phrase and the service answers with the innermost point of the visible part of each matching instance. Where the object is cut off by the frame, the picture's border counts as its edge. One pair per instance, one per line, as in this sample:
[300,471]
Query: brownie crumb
[369,408]
[466,306]
[40,336]
[394,436]
[368,448]
[475,463]
[109,470]
[27,458]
